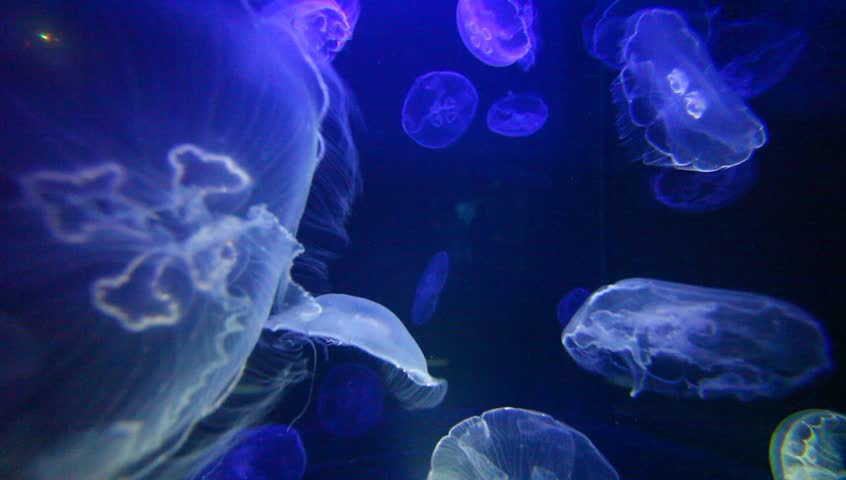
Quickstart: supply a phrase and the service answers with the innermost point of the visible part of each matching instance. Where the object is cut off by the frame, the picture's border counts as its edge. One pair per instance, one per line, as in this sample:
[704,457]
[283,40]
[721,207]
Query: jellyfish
[498,32]
[686,340]
[157,166]
[429,288]
[809,445]
[669,93]
[350,399]
[323,27]
[368,326]
[269,452]
[702,192]
[439,108]
[517,115]
[515,443]
[570,304]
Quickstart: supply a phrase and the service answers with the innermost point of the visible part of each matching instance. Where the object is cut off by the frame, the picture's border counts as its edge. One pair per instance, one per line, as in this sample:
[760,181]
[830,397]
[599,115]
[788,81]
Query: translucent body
[517,115]
[685,340]
[701,192]
[498,32]
[269,452]
[670,93]
[570,304]
[507,443]
[141,255]
[809,445]
[429,288]
[323,26]
[361,323]
[439,108]
[350,399]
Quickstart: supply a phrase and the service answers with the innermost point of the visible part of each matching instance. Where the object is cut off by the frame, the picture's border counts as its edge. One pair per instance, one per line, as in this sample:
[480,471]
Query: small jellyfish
[570,304]
[498,32]
[514,443]
[350,400]
[517,115]
[670,94]
[686,340]
[269,452]
[429,288]
[701,192]
[439,108]
[809,445]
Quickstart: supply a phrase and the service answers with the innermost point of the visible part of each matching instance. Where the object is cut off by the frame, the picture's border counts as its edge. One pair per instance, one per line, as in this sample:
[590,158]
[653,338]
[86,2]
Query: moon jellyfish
[323,26]
[439,108]
[156,168]
[570,304]
[514,443]
[517,115]
[809,445]
[498,32]
[701,192]
[368,326]
[429,288]
[269,452]
[686,340]
[350,400]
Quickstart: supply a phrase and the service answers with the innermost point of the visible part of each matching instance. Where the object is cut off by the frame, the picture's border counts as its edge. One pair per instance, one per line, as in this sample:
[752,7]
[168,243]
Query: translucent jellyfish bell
[514,443]
[685,340]
[809,445]
[439,108]
[702,192]
[498,32]
[366,325]
[517,115]
[429,288]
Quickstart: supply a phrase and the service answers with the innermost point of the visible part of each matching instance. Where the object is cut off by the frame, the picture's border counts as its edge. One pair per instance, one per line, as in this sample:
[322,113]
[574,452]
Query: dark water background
[562,209]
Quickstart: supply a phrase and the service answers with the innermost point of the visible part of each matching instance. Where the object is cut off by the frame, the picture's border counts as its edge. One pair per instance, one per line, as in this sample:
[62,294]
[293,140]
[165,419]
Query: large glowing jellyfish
[514,443]
[498,32]
[809,445]
[156,168]
[694,341]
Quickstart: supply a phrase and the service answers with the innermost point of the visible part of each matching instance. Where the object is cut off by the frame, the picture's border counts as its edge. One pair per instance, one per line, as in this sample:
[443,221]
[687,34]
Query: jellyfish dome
[498,32]
[685,340]
[809,445]
[517,115]
[439,108]
[515,443]
[269,452]
[156,167]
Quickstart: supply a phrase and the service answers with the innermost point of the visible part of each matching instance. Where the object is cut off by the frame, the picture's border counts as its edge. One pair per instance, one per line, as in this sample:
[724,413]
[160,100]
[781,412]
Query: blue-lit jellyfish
[439,108]
[350,399]
[498,32]
[669,92]
[515,443]
[570,304]
[701,192]
[517,115]
[269,452]
[685,340]
[157,166]
[322,26]
[429,288]
[809,445]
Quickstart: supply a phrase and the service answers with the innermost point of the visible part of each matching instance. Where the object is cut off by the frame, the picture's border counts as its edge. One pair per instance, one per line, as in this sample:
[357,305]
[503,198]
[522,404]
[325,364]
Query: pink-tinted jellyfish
[498,32]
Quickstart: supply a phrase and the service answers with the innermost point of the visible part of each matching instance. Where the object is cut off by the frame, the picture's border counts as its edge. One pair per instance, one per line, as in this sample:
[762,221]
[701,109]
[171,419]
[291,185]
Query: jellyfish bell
[809,444]
[499,32]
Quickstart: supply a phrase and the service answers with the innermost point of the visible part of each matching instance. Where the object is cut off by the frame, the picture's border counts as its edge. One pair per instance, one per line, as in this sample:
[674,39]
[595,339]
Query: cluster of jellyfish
[159,215]
[440,105]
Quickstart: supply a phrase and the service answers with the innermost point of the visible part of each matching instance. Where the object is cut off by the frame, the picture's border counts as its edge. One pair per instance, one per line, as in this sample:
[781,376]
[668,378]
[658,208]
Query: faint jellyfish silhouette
[669,92]
[323,26]
[498,32]
[517,115]
[439,108]
[429,288]
[269,452]
[368,326]
[350,400]
[515,443]
[142,254]
[570,304]
[685,340]
[809,445]
[701,192]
